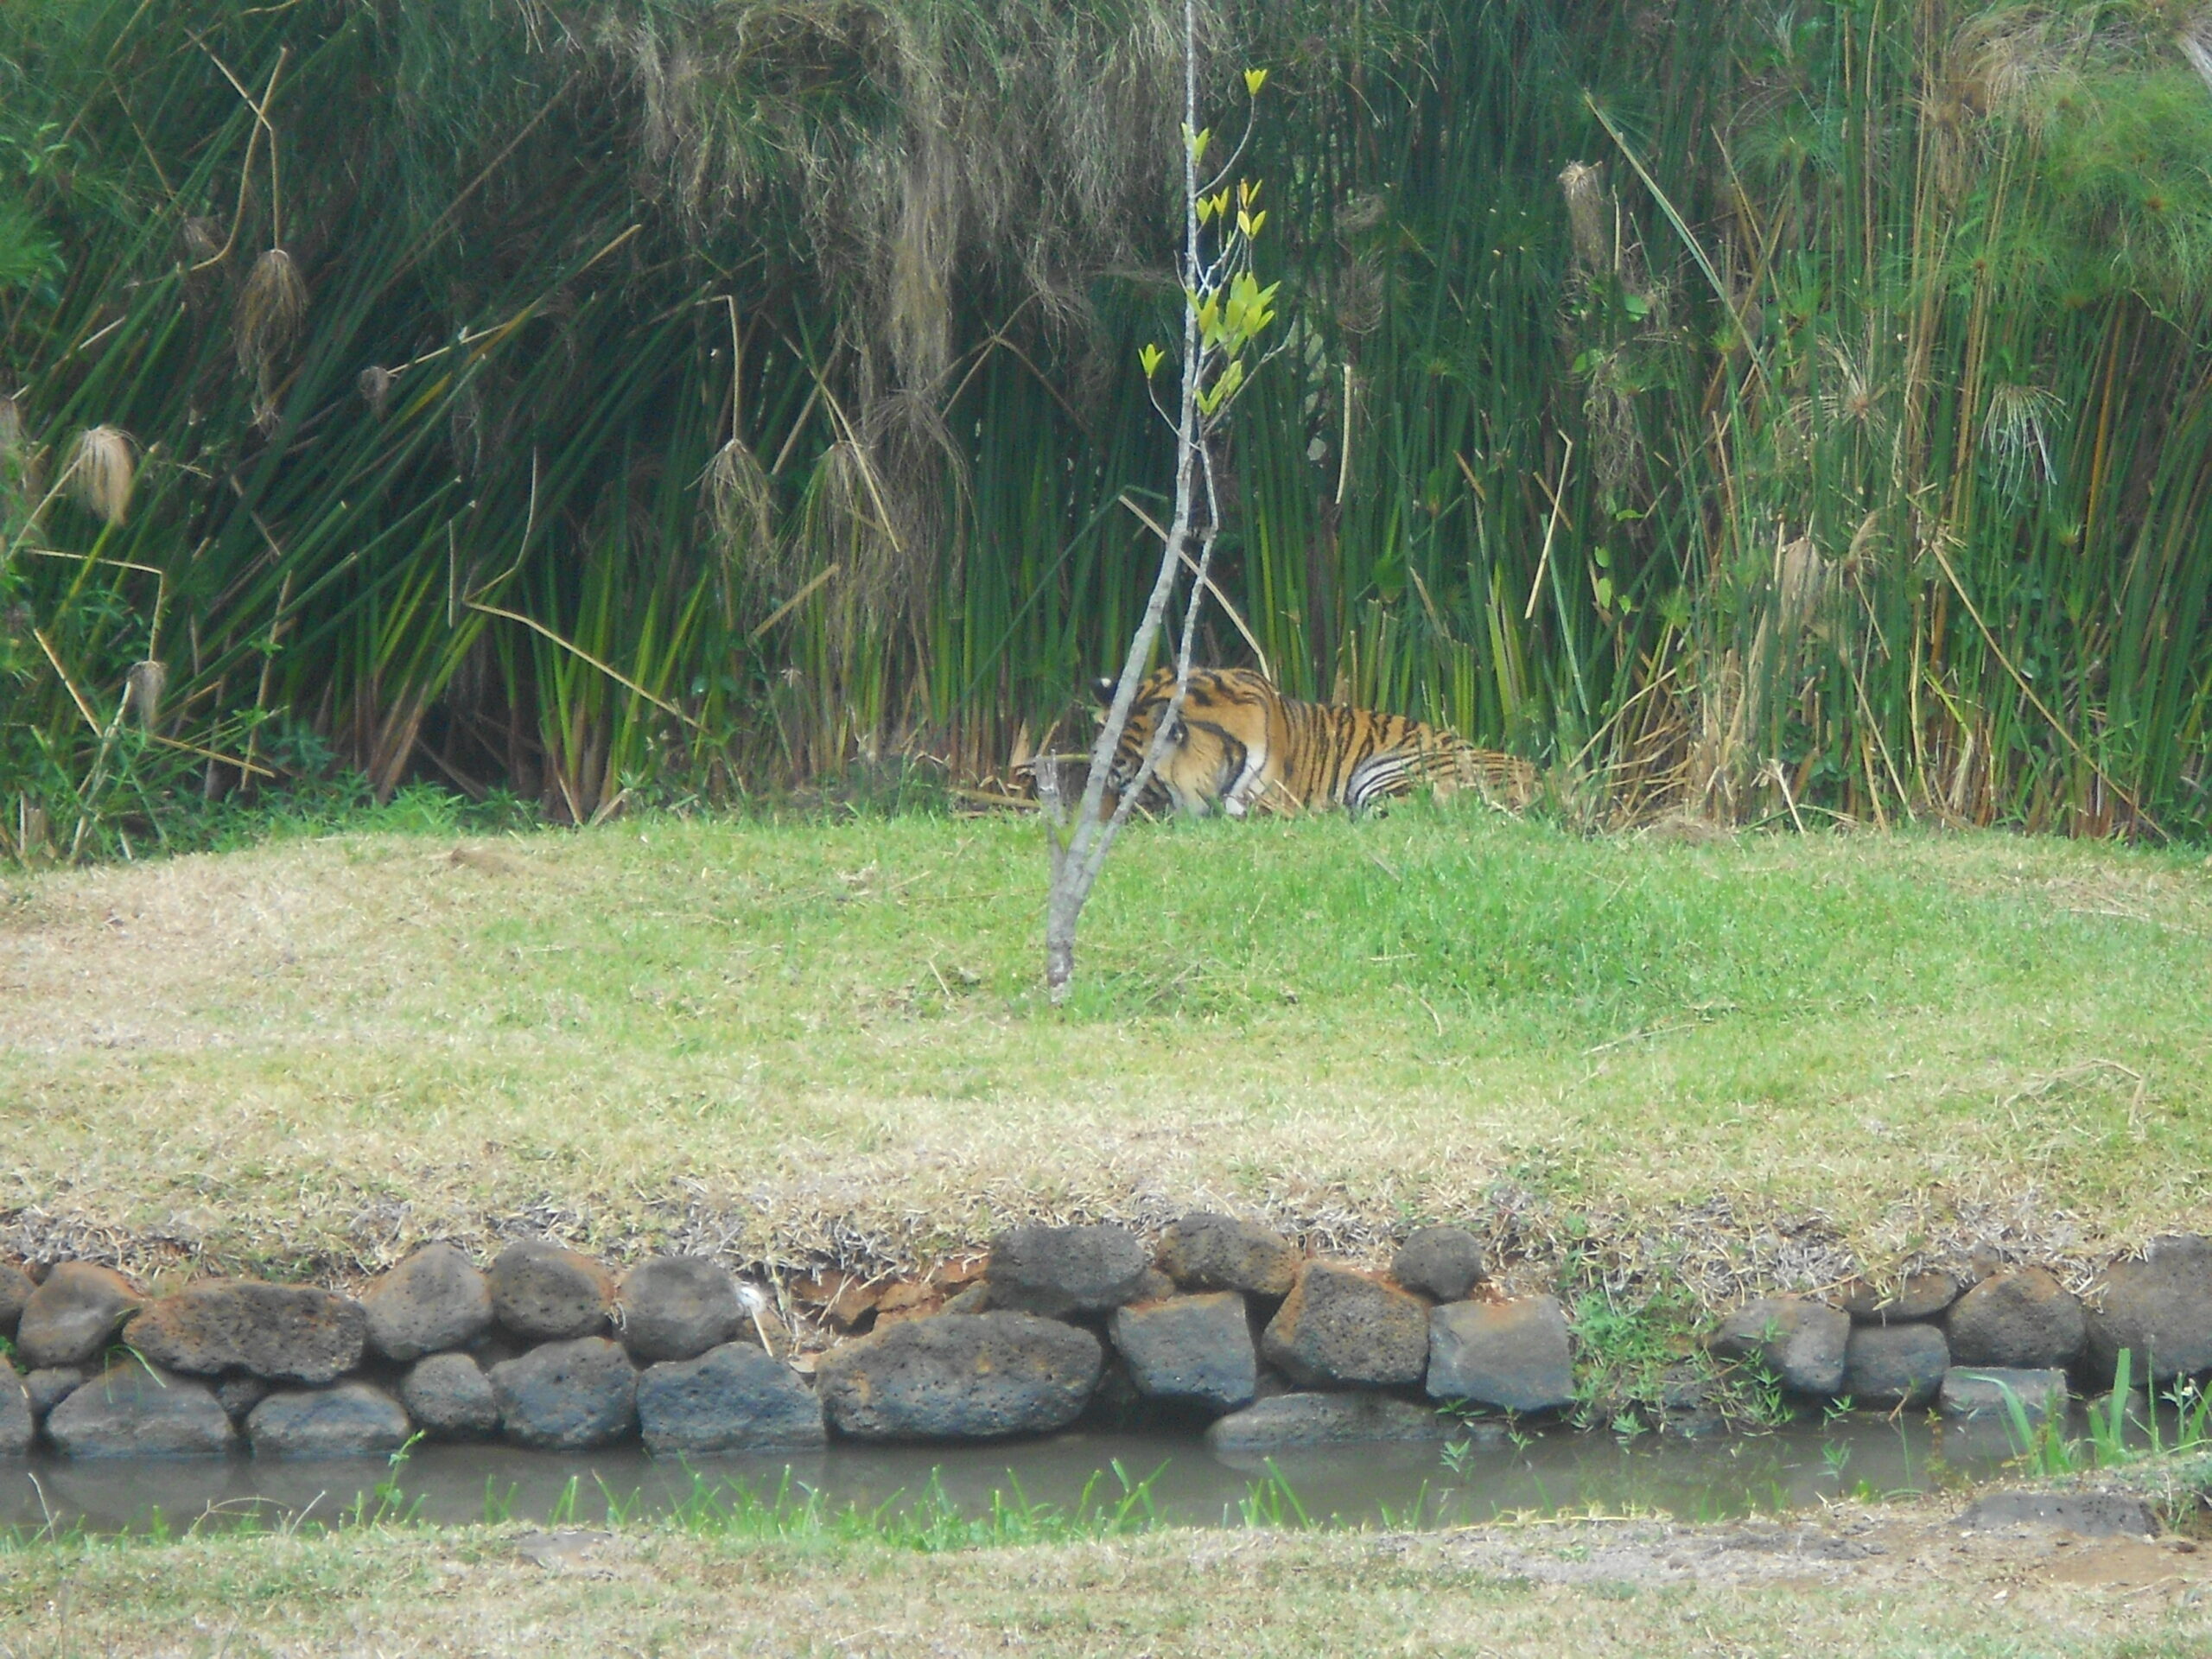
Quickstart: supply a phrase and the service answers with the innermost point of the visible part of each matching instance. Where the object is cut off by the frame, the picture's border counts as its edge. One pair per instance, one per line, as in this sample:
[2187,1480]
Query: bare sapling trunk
[1225,309]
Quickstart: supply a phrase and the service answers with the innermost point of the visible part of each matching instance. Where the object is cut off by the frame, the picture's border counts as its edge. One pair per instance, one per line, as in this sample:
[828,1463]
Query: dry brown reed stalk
[103,471]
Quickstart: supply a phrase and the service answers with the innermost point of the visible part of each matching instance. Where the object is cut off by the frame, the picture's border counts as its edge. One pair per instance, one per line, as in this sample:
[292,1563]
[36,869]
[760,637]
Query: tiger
[1239,742]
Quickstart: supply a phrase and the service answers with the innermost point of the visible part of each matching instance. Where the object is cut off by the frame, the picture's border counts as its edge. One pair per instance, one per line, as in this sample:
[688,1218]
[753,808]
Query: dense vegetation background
[1758,409]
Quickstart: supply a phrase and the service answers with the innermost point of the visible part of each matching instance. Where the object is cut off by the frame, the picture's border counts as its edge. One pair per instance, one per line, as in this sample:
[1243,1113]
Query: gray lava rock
[15,1289]
[1922,1296]
[1115,1406]
[1982,1391]
[136,1410]
[49,1386]
[1445,1263]
[1056,1271]
[1289,1419]
[544,1292]
[2159,1310]
[449,1395]
[288,1333]
[1338,1328]
[1194,1348]
[2092,1514]
[1896,1365]
[2025,1319]
[678,1307]
[973,1299]
[733,1398]
[1514,1355]
[17,1426]
[567,1395]
[71,1317]
[1801,1342]
[971,1378]
[1212,1252]
[434,1301]
[240,1394]
[351,1420]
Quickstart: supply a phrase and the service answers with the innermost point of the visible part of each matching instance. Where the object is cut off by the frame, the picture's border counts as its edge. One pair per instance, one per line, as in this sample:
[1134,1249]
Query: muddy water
[1390,1484]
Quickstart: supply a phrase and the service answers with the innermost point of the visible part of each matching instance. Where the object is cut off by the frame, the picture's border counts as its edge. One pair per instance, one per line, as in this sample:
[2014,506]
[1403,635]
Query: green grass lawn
[1757,1056]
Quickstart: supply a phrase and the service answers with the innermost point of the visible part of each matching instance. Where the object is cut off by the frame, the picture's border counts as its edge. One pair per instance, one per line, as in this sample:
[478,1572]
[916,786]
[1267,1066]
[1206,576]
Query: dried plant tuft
[103,470]
[1589,214]
[143,687]
[271,308]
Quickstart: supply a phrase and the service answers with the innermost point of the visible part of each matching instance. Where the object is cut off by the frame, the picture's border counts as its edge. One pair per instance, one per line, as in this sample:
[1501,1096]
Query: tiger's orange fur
[1241,744]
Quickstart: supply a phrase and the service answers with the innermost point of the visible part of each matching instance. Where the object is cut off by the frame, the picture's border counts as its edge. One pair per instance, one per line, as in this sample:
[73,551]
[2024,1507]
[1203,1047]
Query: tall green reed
[1768,411]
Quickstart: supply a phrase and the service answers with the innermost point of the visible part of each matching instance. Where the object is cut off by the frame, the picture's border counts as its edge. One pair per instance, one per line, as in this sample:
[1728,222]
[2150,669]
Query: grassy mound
[1771,1059]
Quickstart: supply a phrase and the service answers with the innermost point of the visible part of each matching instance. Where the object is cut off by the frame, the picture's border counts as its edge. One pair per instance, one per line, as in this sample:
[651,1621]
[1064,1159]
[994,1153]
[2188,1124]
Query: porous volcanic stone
[1197,1348]
[1325,1419]
[15,1288]
[973,1299]
[1982,1390]
[287,1334]
[352,1420]
[2159,1310]
[2023,1319]
[136,1410]
[240,1394]
[434,1301]
[1514,1355]
[1922,1296]
[449,1395]
[544,1292]
[1213,1252]
[50,1385]
[1896,1365]
[567,1395]
[70,1319]
[1801,1342]
[678,1307]
[2092,1514]
[972,1377]
[1445,1263]
[733,1398]
[1056,1271]
[1342,1329]
[17,1426]
[1115,1406]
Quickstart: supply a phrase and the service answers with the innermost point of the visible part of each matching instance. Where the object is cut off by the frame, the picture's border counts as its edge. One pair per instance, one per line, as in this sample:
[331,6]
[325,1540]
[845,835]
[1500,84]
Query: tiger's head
[1200,760]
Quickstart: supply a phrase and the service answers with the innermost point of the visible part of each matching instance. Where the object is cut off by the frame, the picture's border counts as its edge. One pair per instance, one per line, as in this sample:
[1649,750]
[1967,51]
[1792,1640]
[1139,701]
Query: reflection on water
[1387,1484]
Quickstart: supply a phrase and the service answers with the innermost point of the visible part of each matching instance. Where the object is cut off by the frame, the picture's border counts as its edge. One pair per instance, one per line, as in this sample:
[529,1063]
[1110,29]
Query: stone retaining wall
[1221,1322]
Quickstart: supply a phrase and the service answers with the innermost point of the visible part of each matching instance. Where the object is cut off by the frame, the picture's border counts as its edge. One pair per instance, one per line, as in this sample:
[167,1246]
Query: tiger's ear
[1103,688]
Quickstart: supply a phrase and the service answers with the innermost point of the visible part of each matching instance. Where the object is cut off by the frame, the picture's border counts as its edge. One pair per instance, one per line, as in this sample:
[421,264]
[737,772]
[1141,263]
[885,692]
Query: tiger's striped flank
[1241,744]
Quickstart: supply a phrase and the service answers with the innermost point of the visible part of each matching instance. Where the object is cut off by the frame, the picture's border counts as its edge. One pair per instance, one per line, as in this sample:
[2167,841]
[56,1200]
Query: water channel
[1374,1484]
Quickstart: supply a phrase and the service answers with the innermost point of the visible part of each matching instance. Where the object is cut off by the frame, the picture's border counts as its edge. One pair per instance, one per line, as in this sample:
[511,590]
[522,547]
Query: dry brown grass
[807,1044]
[1855,1584]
